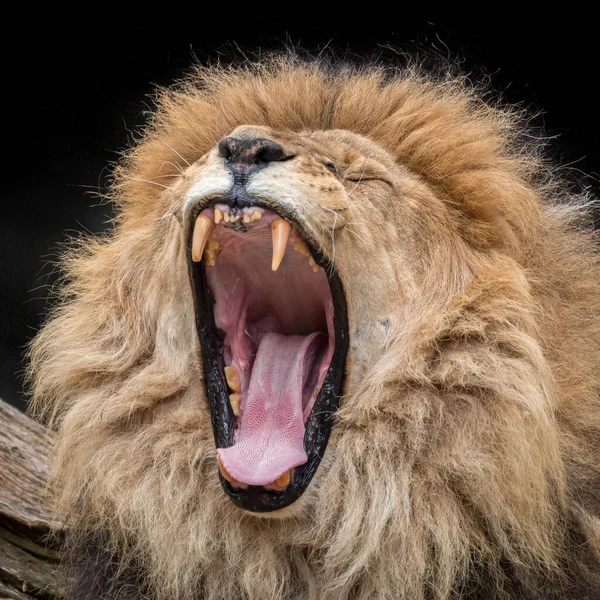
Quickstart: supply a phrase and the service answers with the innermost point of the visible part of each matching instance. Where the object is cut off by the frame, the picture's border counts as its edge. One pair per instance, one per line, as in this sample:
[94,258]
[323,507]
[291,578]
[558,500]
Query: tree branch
[30,536]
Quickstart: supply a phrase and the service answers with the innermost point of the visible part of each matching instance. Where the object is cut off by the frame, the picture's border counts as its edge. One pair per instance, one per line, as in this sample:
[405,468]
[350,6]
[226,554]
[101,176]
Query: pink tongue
[270,440]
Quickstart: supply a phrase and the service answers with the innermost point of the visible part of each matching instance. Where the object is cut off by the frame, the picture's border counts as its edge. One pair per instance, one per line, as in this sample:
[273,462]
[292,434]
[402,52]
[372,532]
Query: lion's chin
[272,323]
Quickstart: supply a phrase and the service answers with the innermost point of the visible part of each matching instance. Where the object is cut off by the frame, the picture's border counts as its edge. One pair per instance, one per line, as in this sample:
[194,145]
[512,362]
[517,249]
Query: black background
[72,102]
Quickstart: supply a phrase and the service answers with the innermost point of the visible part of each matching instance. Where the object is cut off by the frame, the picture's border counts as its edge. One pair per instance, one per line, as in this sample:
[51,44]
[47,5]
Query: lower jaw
[257,498]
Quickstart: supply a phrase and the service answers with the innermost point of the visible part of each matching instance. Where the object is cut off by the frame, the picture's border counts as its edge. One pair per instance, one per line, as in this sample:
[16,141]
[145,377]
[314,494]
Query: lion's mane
[464,459]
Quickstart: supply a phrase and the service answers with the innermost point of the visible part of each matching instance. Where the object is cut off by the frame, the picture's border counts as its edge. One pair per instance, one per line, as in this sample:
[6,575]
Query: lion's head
[342,343]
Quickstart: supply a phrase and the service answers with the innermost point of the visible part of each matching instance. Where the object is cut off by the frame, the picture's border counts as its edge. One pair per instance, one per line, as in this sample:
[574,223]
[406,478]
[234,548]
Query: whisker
[354,233]
[358,181]
[181,157]
[168,162]
[171,211]
[151,182]
[335,212]
[332,230]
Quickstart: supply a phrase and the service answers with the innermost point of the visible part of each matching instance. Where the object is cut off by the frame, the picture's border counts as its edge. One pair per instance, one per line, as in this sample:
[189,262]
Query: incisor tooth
[281,232]
[246,218]
[256,216]
[224,471]
[202,229]
[226,217]
[218,216]
[284,480]
[233,380]
[234,400]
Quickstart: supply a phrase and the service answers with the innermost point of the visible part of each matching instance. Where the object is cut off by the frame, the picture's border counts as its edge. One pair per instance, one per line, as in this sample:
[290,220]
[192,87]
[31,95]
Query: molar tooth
[202,229]
[224,472]
[212,251]
[302,248]
[284,480]
[313,264]
[281,232]
[233,379]
[234,400]
[255,216]
[218,216]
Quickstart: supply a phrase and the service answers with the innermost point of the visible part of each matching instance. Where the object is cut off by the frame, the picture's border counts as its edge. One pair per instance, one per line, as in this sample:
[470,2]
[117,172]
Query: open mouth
[272,322]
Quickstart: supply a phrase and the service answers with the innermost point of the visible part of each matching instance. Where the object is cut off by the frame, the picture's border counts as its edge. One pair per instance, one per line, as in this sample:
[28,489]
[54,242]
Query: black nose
[250,152]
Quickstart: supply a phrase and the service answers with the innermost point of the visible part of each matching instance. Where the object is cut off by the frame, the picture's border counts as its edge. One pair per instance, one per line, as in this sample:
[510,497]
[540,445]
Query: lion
[342,342]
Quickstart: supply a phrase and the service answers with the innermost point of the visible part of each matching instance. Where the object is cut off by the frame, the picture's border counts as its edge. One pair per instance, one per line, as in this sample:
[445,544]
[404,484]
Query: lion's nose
[257,151]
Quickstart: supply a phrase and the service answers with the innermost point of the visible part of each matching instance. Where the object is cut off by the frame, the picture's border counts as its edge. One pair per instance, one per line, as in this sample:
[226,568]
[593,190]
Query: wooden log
[30,536]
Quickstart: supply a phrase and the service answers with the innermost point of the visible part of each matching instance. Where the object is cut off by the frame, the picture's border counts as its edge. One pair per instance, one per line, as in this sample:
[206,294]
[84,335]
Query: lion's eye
[365,170]
[331,166]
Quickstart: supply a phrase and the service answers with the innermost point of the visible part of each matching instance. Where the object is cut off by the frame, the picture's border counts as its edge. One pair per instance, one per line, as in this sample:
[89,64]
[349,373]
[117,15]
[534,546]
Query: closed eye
[358,178]
[366,170]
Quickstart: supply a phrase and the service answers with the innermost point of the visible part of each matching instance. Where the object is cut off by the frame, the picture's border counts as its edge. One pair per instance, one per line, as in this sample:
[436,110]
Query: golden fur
[464,456]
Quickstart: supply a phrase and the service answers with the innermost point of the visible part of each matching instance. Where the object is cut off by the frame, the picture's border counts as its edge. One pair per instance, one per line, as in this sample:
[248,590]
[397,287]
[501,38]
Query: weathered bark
[30,536]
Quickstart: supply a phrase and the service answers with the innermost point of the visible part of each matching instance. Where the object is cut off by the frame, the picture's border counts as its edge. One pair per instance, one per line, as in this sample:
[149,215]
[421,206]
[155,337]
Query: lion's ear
[121,338]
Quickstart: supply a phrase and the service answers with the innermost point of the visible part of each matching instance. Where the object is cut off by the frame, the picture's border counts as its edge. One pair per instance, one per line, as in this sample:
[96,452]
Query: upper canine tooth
[233,379]
[202,229]
[281,232]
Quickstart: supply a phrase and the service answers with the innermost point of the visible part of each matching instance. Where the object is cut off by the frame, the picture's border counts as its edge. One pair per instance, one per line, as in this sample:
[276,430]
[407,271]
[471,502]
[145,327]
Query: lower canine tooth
[202,229]
[233,380]
[281,232]
[234,400]
[284,480]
